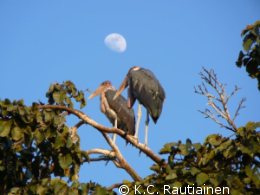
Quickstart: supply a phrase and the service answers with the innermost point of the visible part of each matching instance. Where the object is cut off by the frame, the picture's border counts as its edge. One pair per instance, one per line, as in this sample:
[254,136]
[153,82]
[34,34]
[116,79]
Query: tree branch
[104,129]
[73,131]
[219,102]
[121,162]
[101,158]
[101,151]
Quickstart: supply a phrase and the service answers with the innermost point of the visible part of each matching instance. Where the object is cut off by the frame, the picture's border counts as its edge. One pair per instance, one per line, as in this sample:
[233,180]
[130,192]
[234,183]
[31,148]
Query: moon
[116,42]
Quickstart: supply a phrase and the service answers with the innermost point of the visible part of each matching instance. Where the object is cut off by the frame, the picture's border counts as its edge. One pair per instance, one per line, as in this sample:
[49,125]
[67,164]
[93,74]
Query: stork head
[134,68]
[102,88]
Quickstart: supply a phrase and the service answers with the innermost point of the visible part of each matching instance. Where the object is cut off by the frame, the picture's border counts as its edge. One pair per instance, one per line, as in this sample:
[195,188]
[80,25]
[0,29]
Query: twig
[240,106]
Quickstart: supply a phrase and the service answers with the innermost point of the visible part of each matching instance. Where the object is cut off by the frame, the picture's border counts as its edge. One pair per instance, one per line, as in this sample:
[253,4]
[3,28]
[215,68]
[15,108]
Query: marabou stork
[145,87]
[117,111]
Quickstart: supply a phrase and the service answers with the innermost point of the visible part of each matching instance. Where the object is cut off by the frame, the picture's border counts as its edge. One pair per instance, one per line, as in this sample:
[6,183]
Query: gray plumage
[116,110]
[125,115]
[144,86]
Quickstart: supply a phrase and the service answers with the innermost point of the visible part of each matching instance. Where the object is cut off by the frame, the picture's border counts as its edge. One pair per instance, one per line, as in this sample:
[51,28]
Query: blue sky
[42,42]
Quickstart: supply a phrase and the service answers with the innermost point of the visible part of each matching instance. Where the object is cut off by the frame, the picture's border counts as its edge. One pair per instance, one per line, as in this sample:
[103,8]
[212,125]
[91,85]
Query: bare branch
[210,115]
[218,103]
[101,151]
[236,89]
[240,106]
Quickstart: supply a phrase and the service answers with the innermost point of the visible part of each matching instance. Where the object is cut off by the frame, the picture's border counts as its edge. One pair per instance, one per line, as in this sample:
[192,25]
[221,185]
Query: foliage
[218,162]
[37,150]
[36,144]
[36,147]
[250,56]
[59,186]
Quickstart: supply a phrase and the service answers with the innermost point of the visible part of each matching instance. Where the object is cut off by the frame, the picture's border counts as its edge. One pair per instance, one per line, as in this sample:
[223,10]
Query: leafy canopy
[250,56]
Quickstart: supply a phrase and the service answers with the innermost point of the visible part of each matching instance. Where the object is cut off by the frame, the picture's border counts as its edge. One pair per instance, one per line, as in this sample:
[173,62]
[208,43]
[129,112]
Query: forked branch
[120,161]
[218,100]
[101,128]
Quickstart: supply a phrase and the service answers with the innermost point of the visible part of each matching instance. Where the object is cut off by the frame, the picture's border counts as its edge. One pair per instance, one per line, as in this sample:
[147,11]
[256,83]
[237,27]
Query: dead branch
[240,106]
[217,100]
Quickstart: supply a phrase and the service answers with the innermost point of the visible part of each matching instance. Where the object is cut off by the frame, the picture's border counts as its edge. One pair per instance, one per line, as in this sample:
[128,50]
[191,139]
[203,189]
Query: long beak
[121,88]
[97,92]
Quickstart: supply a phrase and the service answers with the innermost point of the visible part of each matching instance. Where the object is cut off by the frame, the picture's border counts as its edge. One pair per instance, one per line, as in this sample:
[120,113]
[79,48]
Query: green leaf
[194,171]
[17,133]
[177,184]
[167,148]
[251,126]
[59,141]
[41,190]
[155,168]
[184,149]
[246,150]
[197,146]
[247,43]
[230,152]
[57,97]
[14,190]
[47,116]
[38,136]
[214,139]
[11,108]
[69,102]
[188,143]
[69,143]
[224,146]
[201,178]
[60,187]
[65,161]
[171,175]
[5,127]
[100,191]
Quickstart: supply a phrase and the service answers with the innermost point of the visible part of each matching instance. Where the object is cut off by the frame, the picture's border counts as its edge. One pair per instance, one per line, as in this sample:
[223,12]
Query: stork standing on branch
[117,111]
[145,87]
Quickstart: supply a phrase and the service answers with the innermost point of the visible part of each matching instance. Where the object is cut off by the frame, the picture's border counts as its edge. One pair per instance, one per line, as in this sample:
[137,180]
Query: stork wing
[125,115]
[148,90]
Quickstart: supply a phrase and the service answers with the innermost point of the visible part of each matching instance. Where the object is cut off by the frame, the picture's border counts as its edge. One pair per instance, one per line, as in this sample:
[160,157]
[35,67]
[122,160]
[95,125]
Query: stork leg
[146,129]
[139,114]
[114,135]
